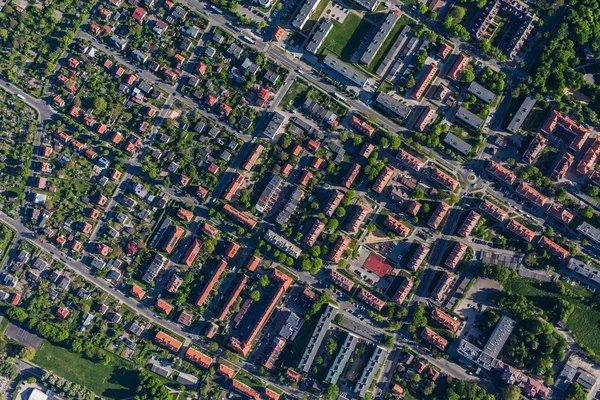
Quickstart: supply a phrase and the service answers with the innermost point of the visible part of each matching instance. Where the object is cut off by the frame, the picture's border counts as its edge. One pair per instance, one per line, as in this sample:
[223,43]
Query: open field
[344,38]
[583,322]
[117,380]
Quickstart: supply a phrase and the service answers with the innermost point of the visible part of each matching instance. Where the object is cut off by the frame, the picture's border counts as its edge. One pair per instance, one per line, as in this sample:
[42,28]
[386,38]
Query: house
[139,14]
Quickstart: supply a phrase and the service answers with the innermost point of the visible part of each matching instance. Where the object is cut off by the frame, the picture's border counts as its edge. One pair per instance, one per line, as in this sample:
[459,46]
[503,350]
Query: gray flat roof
[499,337]
[342,358]
[382,33]
[305,12]
[274,125]
[521,114]
[457,143]
[482,93]
[369,371]
[345,70]
[319,34]
[392,105]
[317,337]
[589,231]
[468,118]
[368,4]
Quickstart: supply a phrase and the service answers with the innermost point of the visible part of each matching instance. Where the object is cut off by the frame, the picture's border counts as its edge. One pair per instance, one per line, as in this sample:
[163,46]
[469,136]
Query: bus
[249,39]
[340,97]
[217,10]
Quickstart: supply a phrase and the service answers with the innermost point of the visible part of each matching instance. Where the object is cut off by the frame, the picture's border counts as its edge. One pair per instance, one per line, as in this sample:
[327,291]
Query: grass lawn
[583,322]
[535,119]
[345,37]
[298,87]
[250,380]
[404,20]
[117,380]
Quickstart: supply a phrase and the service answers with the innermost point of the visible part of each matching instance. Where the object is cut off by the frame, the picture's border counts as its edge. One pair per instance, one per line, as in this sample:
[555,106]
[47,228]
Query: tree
[27,353]
[467,76]
[575,392]
[8,370]
[264,280]
[255,295]
[332,392]
[331,346]
[340,212]
[511,392]
[16,314]
[332,224]
[339,319]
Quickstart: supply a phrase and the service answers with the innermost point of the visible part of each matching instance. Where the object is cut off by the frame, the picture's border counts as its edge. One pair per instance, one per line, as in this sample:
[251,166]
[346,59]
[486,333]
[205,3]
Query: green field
[583,322]
[344,38]
[298,87]
[385,46]
[117,380]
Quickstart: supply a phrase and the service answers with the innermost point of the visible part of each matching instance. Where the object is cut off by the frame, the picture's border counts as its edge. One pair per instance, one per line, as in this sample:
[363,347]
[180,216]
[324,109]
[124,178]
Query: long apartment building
[425,118]
[553,248]
[409,160]
[243,346]
[534,149]
[418,257]
[210,284]
[435,339]
[333,203]
[458,66]
[520,230]
[444,179]
[232,298]
[370,371]
[589,158]
[314,233]
[357,218]
[342,358]
[310,351]
[347,71]
[256,151]
[392,105]
[493,210]
[283,244]
[306,11]
[398,227]
[445,320]
[351,175]
[319,34]
[382,180]
[381,35]
[456,255]
[469,224]
[563,165]
[443,285]
[338,250]
[341,281]
[427,77]
[438,215]
[370,299]
[531,194]
[502,173]
[233,187]
[404,290]
[238,216]
[270,194]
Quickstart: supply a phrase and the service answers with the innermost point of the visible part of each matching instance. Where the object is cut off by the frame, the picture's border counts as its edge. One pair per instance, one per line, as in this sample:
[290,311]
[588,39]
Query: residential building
[370,299]
[444,179]
[438,215]
[418,257]
[403,290]
[458,66]
[304,14]
[456,255]
[409,160]
[445,320]
[435,339]
[482,93]
[321,31]
[553,248]
[469,119]
[425,80]
[398,227]
[339,248]
[457,143]
[521,114]
[381,35]
[351,175]
[283,244]
[392,105]
[319,333]
[340,280]
[531,194]
[382,180]
[313,233]
[563,165]
[589,158]
[469,224]
[501,172]
[348,72]
[208,287]
[520,230]
[534,149]
[370,371]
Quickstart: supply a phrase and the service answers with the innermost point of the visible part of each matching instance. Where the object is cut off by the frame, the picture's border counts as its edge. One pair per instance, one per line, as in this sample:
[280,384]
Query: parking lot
[23,337]
[476,300]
